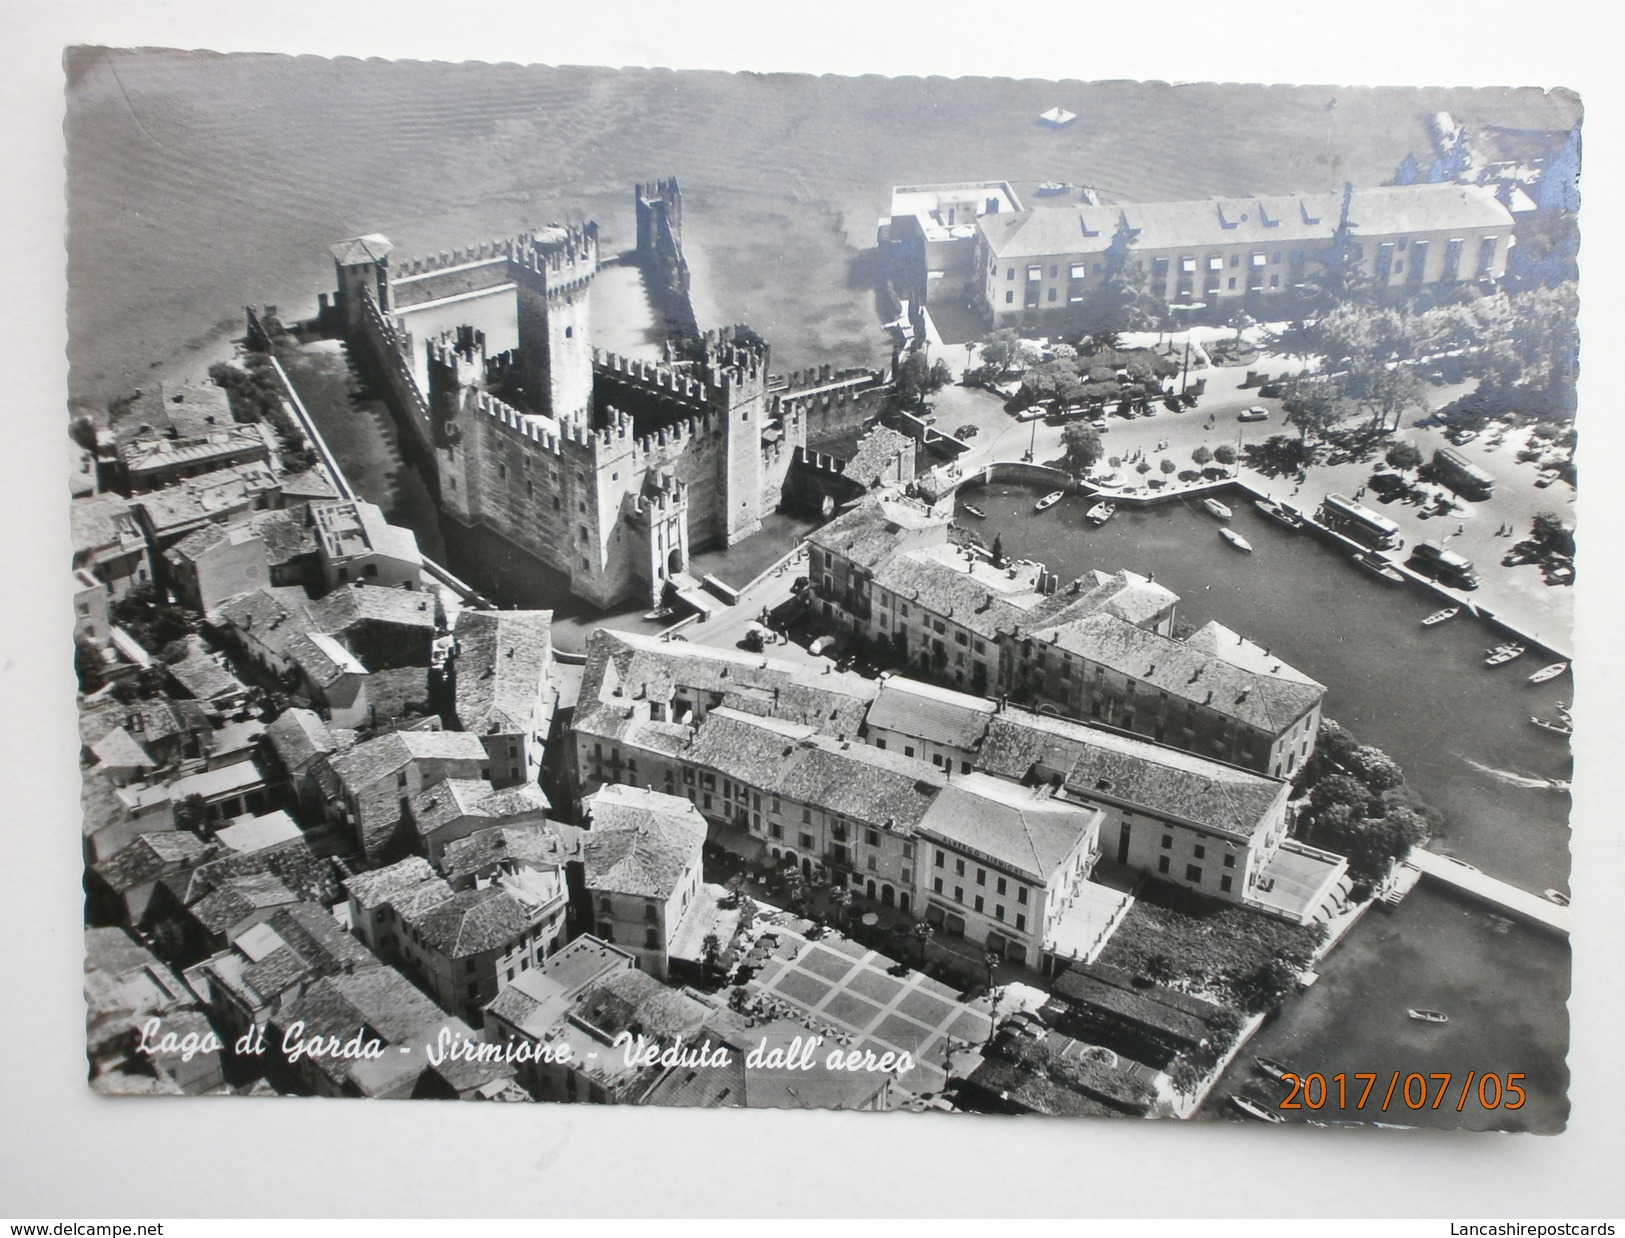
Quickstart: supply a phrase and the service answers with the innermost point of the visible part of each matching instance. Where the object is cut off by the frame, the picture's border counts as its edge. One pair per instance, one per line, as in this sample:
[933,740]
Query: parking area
[842,987]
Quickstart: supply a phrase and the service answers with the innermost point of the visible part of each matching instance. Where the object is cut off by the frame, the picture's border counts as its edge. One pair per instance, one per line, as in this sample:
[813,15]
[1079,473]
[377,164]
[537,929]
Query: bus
[1468,480]
[1445,566]
[1343,515]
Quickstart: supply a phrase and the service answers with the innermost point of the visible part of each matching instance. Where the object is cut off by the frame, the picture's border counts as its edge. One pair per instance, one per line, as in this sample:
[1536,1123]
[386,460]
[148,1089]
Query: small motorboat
[1254,1110]
[1237,540]
[1100,513]
[1549,672]
[1502,654]
[1272,1068]
[971,510]
[1556,728]
[1216,509]
[1441,616]
[1428,1016]
[1379,567]
[1279,512]
[1555,896]
[1051,188]
[1049,500]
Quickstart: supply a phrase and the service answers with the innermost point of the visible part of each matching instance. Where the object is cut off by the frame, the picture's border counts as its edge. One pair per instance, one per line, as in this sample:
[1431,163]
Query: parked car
[1099,423]
[1271,391]
[967,431]
[1255,413]
[820,645]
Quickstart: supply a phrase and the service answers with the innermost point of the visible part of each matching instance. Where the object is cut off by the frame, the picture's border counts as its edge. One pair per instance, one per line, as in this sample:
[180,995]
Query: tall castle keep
[605,467]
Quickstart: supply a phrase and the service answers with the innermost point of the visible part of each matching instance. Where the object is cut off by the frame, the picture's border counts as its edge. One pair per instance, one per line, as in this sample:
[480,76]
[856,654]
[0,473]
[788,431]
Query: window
[872,837]
[1162,864]
[941,859]
[605,906]
[959,868]
[1235,261]
[1258,260]
[936,885]
[775,830]
[1224,884]
[1021,923]
[1231,283]
[981,876]
[1021,895]
[1200,852]
[959,894]
[1034,274]
[999,888]
[808,841]
[998,911]
[1080,270]
[1193,873]
[1010,274]
[978,903]
[1187,266]
[651,939]
[1230,861]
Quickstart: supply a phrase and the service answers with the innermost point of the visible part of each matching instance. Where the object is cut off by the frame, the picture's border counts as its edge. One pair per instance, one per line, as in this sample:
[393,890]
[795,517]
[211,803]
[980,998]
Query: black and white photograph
[961,598]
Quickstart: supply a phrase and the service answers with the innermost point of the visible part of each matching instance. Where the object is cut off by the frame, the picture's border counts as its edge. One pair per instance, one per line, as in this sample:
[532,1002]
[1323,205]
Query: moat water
[1462,734]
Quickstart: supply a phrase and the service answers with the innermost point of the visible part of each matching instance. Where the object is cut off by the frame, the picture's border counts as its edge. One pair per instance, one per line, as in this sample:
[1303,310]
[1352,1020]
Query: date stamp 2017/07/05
[1402,1091]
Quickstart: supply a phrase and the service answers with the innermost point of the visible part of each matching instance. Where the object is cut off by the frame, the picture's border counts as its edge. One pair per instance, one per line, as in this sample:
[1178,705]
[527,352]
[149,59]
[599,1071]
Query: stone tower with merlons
[552,270]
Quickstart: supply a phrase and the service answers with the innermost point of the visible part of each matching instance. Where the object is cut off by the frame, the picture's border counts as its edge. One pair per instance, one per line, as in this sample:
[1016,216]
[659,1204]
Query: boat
[1279,512]
[1428,1016]
[1379,567]
[1556,728]
[1440,616]
[1502,654]
[1555,896]
[1216,509]
[1100,513]
[971,510]
[1549,672]
[1051,188]
[1237,540]
[1558,784]
[1049,500]
[1562,708]
[1254,1110]
[1272,1068]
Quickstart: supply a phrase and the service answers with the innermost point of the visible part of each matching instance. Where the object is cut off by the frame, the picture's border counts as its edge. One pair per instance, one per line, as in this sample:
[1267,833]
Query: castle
[605,467]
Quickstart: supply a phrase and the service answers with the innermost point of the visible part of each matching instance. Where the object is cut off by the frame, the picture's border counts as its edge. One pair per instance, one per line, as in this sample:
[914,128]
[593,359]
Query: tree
[1548,529]
[923,933]
[1168,466]
[918,378]
[1224,453]
[1266,985]
[1408,172]
[711,953]
[998,551]
[840,898]
[1341,789]
[89,665]
[1239,322]
[1202,457]
[1404,456]
[1312,410]
[1003,350]
[1375,768]
[1082,445]
[1143,467]
[191,813]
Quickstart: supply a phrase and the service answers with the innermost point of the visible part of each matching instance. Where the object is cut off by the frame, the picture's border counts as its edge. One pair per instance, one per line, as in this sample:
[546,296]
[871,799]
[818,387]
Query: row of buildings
[1037,268]
[984,818]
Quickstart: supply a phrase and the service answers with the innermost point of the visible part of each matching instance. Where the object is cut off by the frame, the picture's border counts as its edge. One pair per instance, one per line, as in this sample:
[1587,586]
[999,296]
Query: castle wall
[389,352]
[450,273]
[659,208]
[831,402]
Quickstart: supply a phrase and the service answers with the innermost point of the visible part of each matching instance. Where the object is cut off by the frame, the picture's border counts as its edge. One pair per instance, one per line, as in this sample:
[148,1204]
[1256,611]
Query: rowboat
[1272,1068]
[1549,672]
[1379,567]
[971,510]
[1556,728]
[1100,513]
[1279,512]
[1502,654]
[1050,188]
[1555,896]
[1429,1016]
[1440,616]
[1216,509]
[1049,501]
[1237,540]
[1254,1110]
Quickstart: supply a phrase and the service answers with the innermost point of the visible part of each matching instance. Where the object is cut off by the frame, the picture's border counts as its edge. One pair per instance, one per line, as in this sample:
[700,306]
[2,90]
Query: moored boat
[1272,1068]
[1216,509]
[1279,512]
[1556,728]
[1237,540]
[1549,672]
[1049,500]
[1555,896]
[1379,567]
[1428,1016]
[1100,513]
[972,510]
[1440,616]
[1502,654]
[1050,188]
[1254,1110]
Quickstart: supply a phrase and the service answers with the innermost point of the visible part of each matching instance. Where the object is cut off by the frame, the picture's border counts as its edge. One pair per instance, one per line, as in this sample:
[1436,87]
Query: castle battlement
[533,428]
[458,345]
[555,251]
[428,264]
[651,374]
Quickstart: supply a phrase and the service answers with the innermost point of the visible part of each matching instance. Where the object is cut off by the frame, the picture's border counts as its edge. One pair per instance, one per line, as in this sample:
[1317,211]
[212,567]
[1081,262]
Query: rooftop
[1029,830]
[503,663]
[640,842]
[936,715]
[353,528]
[472,922]
[367,762]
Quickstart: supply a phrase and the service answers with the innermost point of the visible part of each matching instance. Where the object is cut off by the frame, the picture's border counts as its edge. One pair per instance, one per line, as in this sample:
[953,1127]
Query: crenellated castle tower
[605,467]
